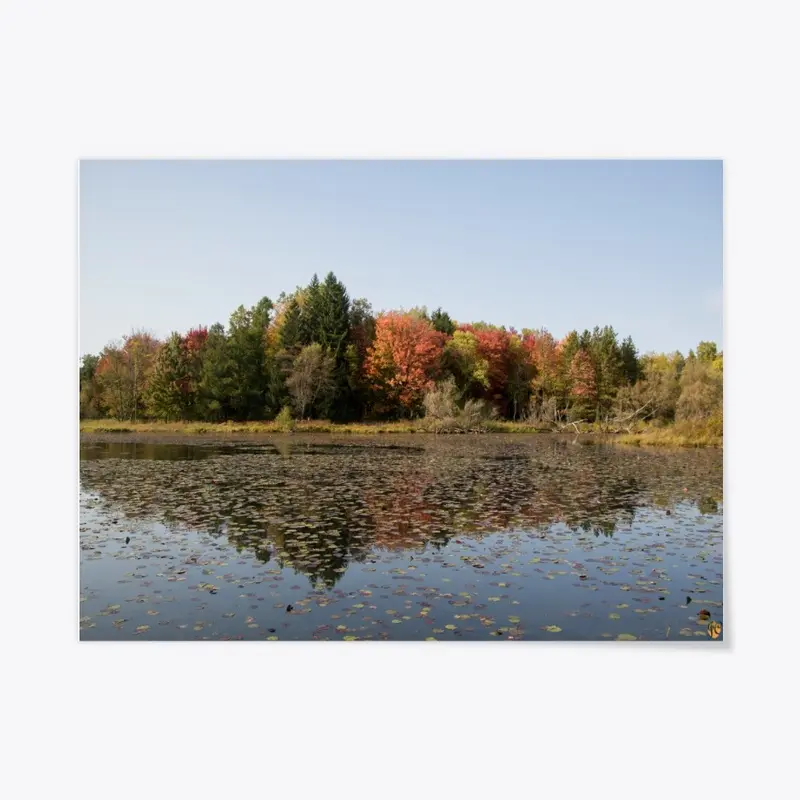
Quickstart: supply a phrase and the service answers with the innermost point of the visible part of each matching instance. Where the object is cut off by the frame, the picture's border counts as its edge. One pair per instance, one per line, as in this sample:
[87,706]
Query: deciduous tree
[311,381]
[403,361]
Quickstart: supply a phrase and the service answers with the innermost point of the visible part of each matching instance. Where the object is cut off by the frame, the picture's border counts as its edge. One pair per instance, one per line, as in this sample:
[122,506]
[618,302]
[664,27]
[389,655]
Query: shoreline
[682,436]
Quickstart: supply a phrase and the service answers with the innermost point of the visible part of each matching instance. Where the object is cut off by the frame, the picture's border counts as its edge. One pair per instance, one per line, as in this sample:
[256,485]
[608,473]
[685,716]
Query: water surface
[452,538]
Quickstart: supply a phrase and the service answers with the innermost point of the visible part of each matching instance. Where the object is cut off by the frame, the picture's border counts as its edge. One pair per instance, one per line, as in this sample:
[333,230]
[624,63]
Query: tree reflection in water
[320,504]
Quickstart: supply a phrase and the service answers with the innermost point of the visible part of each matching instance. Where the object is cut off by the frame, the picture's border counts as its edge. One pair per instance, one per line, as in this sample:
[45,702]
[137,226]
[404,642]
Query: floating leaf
[626,637]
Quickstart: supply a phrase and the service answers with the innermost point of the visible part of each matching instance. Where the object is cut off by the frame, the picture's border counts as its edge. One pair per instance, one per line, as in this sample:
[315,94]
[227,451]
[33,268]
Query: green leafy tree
[470,370]
[123,373]
[707,351]
[91,405]
[655,395]
[173,388]
[167,397]
[701,386]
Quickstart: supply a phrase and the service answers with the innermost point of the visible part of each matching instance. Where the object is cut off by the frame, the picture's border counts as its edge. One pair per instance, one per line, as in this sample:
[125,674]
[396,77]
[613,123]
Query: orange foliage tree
[404,359]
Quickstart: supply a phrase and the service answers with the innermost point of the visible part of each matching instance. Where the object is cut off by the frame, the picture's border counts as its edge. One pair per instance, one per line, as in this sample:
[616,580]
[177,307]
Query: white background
[423,79]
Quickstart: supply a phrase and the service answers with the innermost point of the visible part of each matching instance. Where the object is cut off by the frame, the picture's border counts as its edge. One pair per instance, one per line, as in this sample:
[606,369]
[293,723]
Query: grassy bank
[223,428]
[309,426]
[679,435]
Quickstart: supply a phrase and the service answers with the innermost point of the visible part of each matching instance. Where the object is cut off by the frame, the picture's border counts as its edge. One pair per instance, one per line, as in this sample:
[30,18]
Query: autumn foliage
[404,359]
[330,357]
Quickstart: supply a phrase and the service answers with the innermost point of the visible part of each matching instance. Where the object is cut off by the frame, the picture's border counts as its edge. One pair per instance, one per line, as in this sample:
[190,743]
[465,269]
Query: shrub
[284,421]
[444,414]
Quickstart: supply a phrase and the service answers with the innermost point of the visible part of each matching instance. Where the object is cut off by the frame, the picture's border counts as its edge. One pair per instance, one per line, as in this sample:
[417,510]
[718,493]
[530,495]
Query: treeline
[315,354]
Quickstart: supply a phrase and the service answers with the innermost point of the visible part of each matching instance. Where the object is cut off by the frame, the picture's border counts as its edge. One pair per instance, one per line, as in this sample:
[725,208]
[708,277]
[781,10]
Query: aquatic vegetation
[453,539]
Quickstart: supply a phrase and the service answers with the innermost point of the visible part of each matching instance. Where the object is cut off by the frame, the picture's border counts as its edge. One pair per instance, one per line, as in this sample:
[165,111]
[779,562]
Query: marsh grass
[223,428]
[681,434]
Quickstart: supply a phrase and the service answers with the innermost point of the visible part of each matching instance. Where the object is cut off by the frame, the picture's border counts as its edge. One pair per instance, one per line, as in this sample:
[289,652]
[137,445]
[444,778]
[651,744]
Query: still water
[485,538]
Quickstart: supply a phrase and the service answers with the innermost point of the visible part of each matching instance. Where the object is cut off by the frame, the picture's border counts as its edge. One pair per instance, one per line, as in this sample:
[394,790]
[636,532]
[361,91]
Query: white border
[359,79]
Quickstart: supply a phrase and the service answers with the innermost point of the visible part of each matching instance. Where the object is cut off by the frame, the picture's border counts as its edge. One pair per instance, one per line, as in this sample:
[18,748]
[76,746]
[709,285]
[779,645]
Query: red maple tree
[403,360]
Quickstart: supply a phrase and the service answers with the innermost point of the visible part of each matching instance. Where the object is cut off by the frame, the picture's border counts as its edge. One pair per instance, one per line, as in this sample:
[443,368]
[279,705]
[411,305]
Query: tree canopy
[326,356]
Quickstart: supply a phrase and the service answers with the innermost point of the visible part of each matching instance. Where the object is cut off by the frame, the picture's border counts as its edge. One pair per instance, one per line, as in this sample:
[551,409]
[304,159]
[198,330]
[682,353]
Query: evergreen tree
[607,360]
[333,317]
[291,325]
[332,308]
[630,361]
[247,348]
[310,313]
[216,377]
[361,337]
[441,322]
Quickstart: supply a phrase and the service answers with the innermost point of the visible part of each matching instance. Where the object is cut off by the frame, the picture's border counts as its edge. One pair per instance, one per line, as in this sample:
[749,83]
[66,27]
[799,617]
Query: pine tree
[310,313]
[216,377]
[630,361]
[441,322]
[290,329]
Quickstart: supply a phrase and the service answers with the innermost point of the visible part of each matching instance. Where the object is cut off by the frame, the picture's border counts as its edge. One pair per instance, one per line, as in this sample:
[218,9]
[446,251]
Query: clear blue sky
[169,245]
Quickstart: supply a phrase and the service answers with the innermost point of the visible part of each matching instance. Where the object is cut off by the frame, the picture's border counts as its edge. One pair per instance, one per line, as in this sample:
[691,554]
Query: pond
[482,538]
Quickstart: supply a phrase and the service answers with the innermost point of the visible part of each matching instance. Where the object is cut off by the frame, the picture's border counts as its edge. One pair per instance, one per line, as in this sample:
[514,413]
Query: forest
[315,354]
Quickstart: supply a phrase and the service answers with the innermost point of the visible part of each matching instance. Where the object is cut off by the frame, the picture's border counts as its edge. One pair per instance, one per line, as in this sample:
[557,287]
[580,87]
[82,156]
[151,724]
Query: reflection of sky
[684,548]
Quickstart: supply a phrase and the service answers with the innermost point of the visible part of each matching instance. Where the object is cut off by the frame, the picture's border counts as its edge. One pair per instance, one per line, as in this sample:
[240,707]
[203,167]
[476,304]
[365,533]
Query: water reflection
[319,505]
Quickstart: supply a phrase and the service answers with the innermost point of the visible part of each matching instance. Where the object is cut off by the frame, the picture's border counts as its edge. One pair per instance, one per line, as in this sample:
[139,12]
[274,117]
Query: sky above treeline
[170,245]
